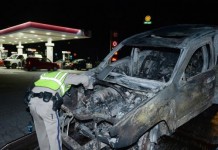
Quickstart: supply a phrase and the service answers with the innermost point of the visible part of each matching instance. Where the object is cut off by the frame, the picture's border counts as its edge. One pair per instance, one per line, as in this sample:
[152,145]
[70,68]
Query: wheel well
[150,137]
[164,128]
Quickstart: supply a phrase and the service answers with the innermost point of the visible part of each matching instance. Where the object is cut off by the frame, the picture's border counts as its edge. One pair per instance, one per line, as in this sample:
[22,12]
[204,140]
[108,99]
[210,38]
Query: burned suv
[162,79]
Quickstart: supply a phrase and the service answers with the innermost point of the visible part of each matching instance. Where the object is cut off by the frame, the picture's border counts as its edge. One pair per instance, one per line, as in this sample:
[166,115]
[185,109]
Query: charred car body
[166,79]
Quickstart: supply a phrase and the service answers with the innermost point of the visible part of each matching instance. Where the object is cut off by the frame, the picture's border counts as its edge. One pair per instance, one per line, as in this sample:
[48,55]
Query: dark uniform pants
[46,123]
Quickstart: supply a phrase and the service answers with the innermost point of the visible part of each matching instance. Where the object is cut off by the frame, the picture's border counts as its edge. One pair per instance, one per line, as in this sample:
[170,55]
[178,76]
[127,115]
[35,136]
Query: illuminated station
[33,32]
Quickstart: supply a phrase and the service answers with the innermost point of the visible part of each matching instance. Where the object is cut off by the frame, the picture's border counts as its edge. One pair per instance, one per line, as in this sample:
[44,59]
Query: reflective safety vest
[53,80]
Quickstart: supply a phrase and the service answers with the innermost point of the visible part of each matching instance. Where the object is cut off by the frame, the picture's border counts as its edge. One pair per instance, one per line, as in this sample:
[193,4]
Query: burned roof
[170,36]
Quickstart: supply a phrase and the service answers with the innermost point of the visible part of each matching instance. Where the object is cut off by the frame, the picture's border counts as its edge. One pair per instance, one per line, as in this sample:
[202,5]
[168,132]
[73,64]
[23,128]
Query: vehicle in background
[15,60]
[34,63]
[1,62]
[35,55]
[81,64]
[63,64]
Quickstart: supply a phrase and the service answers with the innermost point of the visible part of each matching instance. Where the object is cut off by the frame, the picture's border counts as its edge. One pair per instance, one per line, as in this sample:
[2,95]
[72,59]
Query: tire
[33,68]
[150,139]
[55,69]
[79,68]
[19,64]
[14,66]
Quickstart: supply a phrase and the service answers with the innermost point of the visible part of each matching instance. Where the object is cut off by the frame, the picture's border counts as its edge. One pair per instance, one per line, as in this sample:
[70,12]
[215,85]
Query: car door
[44,63]
[197,82]
[48,64]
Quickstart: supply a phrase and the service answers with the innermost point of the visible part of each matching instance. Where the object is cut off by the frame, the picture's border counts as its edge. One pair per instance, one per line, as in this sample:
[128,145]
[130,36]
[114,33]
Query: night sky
[100,17]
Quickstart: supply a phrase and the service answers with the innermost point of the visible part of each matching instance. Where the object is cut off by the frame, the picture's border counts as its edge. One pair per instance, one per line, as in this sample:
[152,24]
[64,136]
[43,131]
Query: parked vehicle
[80,64]
[63,64]
[1,62]
[15,60]
[34,63]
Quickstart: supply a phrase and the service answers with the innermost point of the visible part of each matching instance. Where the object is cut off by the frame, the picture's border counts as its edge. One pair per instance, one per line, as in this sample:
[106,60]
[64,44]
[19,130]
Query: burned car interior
[149,63]
[199,61]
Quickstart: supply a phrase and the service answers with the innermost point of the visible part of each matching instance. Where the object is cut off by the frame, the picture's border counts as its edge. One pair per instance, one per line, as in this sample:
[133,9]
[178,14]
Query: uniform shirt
[71,79]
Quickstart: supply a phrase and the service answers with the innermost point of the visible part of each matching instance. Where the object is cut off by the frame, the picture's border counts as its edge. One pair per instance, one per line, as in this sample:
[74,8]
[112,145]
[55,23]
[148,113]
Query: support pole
[19,49]
[49,49]
[1,50]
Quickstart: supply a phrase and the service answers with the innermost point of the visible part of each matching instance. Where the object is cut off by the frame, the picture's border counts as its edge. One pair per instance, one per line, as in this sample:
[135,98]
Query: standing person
[45,100]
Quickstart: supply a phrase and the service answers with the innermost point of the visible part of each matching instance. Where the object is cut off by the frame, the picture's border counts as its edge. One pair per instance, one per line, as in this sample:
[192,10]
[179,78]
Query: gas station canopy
[33,32]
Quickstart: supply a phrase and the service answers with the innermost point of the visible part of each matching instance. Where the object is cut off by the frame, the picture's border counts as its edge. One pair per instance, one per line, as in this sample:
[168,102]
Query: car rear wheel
[79,68]
[55,68]
[19,64]
[33,68]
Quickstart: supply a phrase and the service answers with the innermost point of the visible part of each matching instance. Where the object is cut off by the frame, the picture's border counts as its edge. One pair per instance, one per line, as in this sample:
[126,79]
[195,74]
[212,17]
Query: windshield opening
[153,63]
[13,56]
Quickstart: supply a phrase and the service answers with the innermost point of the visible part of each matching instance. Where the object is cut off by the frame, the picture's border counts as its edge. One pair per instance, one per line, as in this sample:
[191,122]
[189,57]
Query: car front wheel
[14,66]
[149,140]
